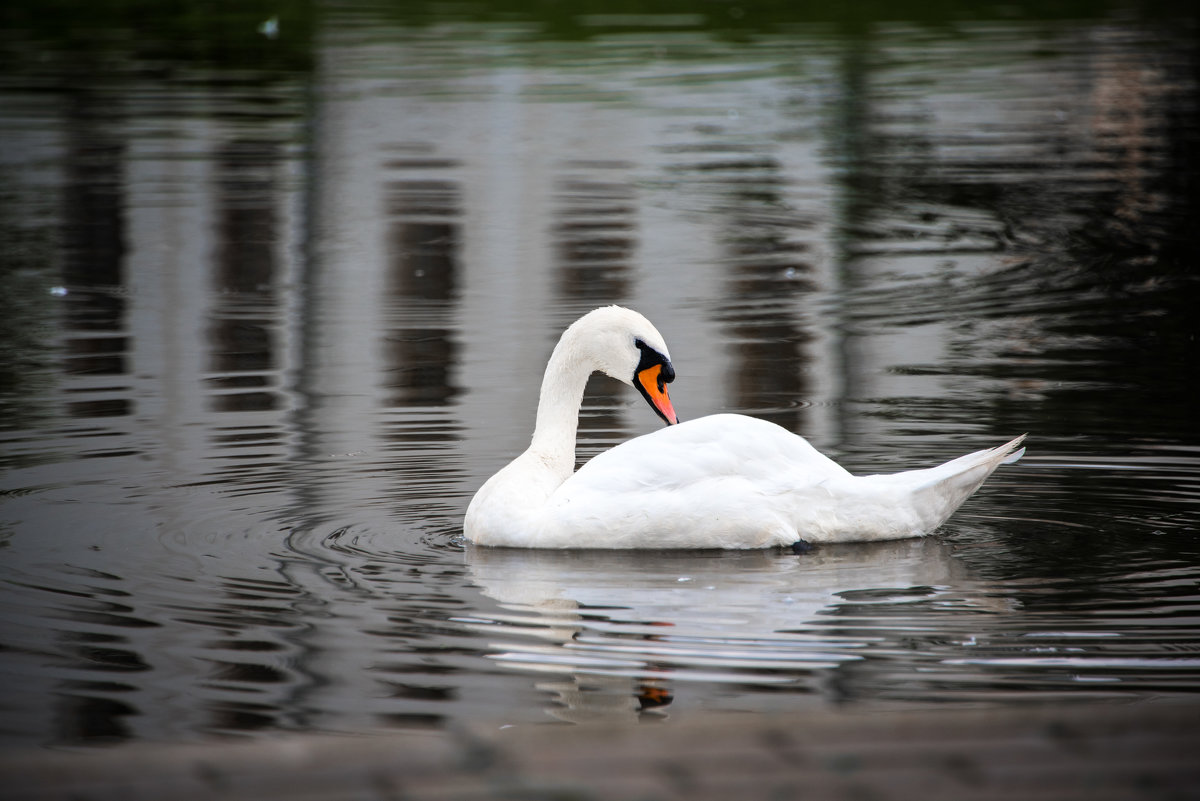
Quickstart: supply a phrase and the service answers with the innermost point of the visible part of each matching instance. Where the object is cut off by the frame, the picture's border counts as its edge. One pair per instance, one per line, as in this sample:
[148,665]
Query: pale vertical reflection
[345,277]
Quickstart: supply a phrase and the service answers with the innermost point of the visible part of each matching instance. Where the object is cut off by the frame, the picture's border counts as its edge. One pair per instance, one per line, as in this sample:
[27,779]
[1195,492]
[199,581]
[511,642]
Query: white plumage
[724,481]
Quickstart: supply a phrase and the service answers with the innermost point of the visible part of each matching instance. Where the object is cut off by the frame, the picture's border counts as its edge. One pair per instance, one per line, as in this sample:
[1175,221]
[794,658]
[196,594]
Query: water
[273,308]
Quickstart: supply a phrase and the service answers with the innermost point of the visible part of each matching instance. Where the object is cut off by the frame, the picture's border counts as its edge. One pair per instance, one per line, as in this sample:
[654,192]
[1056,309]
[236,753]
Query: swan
[723,481]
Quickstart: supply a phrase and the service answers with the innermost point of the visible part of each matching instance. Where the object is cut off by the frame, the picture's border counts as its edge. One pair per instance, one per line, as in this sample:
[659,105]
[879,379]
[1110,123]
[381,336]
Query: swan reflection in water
[627,630]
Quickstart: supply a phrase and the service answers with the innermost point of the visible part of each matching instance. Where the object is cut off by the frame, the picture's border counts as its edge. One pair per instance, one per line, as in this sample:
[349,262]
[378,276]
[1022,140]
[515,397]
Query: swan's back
[730,481]
[724,481]
[717,446]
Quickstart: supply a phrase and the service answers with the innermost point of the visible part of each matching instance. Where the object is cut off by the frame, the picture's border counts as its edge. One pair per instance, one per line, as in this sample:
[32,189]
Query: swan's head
[623,344]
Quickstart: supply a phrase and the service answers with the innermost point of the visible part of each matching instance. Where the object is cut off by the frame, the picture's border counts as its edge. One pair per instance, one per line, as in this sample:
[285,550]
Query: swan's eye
[650,358]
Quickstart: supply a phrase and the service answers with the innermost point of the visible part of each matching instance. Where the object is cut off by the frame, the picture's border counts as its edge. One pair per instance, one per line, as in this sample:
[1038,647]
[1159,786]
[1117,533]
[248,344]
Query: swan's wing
[720,481]
[706,449]
[729,481]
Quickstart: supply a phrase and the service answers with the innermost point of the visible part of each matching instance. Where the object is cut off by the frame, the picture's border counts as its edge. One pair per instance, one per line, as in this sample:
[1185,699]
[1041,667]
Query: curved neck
[561,396]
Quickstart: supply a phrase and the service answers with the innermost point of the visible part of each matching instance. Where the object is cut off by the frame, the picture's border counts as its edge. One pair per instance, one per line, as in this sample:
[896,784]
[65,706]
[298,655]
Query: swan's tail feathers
[988,460]
[938,491]
[1014,453]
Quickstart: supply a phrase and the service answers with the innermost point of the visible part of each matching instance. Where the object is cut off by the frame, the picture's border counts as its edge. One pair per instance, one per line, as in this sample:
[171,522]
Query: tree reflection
[93,252]
[422,283]
[244,315]
[594,244]
[767,274]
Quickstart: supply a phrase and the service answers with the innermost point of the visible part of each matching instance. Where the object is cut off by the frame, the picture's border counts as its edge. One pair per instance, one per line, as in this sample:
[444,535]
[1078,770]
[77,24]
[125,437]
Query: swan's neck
[558,408]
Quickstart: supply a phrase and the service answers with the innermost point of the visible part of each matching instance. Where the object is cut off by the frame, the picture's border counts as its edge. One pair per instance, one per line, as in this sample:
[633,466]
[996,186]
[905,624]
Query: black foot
[801,547]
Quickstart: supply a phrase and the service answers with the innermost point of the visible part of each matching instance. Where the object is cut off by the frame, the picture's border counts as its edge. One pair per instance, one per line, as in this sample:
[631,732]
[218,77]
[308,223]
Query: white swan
[725,481]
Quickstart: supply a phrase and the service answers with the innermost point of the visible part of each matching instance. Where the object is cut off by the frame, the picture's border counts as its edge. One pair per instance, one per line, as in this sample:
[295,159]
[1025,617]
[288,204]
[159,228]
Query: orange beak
[650,382]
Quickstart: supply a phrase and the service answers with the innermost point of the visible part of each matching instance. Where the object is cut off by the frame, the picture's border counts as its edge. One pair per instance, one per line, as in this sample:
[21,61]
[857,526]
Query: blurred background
[278,281]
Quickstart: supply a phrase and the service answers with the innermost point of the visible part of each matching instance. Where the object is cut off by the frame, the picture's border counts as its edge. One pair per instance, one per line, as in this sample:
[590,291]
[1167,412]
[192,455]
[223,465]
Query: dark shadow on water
[595,244]
[422,282]
[93,253]
[244,358]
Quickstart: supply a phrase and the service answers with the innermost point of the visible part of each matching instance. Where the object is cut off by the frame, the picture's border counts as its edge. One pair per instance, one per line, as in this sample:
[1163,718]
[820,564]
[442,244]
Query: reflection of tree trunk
[419,351]
[423,269]
[851,142]
[594,243]
[767,272]
[594,239]
[94,250]
[244,315]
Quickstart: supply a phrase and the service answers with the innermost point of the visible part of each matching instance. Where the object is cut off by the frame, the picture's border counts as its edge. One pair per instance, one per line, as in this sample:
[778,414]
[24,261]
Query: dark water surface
[275,301]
